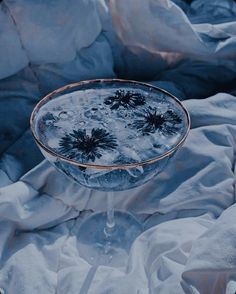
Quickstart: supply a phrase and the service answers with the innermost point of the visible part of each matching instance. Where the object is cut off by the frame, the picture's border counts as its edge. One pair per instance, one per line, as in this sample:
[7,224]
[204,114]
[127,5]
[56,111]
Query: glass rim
[49,96]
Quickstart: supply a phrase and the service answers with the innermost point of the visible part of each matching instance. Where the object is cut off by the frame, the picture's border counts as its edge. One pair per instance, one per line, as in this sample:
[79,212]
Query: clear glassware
[83,153]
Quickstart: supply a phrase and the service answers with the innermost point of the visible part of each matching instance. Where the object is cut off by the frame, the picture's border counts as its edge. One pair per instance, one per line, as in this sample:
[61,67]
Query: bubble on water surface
[65,114]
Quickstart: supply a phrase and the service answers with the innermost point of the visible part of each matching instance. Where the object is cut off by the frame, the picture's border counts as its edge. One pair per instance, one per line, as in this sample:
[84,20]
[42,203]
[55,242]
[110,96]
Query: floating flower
[151,120]
[80,146]
[127,99]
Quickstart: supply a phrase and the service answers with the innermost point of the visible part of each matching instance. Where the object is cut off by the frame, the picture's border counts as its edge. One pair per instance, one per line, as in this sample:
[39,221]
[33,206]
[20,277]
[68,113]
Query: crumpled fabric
[164,28]
[188,211]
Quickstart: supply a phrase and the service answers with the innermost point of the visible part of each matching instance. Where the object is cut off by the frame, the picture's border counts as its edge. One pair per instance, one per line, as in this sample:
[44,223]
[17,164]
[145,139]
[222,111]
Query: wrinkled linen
[188,211]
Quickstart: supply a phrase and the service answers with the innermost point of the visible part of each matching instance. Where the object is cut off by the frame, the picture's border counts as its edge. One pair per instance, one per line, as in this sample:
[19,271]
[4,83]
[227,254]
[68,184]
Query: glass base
[99,247]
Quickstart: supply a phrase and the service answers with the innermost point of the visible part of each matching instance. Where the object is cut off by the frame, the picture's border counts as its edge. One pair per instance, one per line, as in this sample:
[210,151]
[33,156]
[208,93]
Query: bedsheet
[188,211]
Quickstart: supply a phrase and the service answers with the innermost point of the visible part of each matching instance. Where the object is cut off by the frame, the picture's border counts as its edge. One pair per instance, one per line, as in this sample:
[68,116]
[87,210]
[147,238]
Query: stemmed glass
[109,135]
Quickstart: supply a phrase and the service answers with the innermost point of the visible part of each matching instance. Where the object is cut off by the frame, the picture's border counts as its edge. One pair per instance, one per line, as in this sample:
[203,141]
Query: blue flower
[126,99]
[80,146]
[151,120]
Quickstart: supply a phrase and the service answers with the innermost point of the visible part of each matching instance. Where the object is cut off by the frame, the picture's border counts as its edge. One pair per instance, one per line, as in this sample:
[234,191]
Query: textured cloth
[188,211]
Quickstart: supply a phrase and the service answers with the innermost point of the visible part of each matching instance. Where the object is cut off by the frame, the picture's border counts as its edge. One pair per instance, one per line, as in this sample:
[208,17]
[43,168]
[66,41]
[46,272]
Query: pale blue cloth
[188,210]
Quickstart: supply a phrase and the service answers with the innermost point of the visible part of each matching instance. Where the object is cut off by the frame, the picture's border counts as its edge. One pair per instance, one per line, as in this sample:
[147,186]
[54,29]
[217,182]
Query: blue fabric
[186,47]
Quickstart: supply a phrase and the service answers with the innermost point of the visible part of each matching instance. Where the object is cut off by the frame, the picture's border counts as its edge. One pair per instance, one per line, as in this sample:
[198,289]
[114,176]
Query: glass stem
[110,224]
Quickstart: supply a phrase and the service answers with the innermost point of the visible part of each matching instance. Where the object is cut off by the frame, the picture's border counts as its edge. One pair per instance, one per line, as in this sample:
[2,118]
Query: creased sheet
[163,28]
[188,211]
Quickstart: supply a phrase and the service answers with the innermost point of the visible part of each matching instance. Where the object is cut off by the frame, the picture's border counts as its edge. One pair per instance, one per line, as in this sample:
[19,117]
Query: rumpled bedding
[188,211]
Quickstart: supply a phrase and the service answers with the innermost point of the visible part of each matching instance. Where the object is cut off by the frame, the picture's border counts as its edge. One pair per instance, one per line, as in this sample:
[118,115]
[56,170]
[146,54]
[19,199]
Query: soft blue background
[190,206]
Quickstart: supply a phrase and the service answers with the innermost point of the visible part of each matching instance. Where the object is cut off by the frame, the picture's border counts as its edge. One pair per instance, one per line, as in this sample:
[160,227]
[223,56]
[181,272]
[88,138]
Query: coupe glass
[106,237]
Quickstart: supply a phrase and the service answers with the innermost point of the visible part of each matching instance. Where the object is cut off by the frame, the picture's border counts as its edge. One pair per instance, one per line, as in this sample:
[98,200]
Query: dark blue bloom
[151,120]
[126,99]
[80,146]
